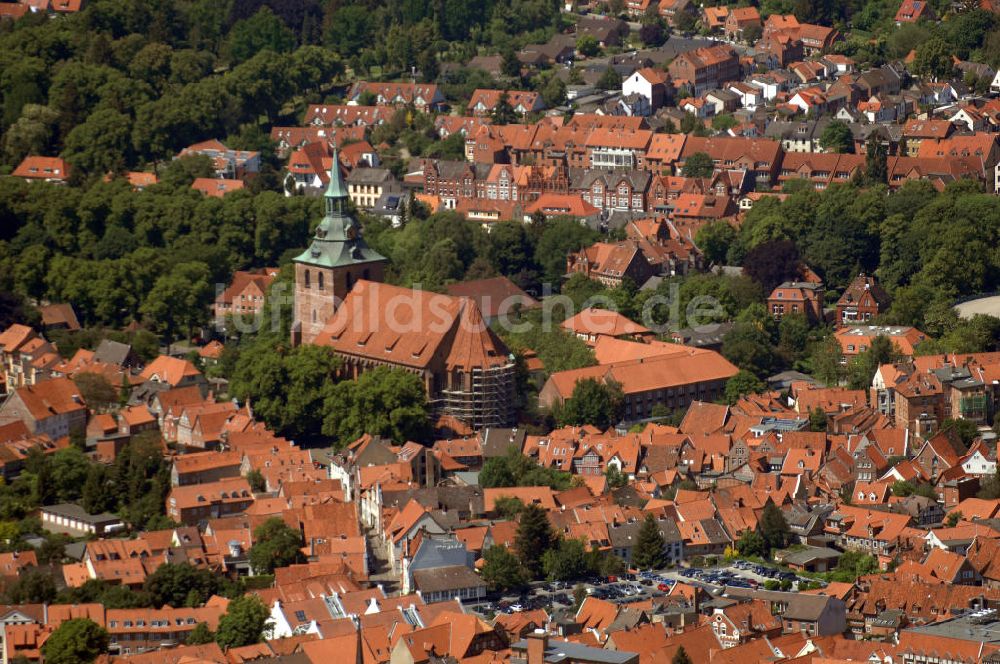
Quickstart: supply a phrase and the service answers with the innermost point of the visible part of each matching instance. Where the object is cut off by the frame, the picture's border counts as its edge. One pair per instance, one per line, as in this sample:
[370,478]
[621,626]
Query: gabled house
[43,169]
[53,407]
[862,300]
[911,11]
[797,297]
[425,97]
[653,85]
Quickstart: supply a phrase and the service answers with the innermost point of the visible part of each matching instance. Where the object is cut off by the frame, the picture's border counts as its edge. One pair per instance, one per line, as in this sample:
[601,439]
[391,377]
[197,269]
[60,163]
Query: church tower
[334,261]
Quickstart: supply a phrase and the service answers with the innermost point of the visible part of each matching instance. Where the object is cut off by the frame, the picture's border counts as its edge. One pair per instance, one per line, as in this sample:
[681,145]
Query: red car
[663,587]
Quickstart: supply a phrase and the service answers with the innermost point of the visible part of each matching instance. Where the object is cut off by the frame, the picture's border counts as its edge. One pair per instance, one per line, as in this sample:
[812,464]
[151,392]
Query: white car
[516,608]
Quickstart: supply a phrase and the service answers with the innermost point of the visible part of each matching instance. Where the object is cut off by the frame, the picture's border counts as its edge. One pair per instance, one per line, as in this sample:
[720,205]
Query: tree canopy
[75,641]
[243,623]
[276,544]
[649,551]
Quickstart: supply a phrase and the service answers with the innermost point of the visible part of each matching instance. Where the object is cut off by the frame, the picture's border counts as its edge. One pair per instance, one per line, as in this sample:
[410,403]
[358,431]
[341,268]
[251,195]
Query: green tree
[752,543]
[534,538]
[588,46]
[75,641]
[24,81]
[748,344]
[686,22]
[288,388]
[514,469]
[200,635]
[853,564]
[793,336]
[508,507]
[837,137]
[261,31]
[383,401]
[681,656]
[773,526]
[497,472]
[592,402]
[501,569]
[714,240]
[770,256]
[33,134]
[69,470]
[275,545]
[616,478]
[826,360]
[817,419]
[723,122]
[180,584]
[653,33]
[509,65]
[428,65]
[934,58]
[742,384]
[698,165]
[752,33]
[179,300]
[966,429]
[95,390]
[609,80]
[648,552]
[243,623]
[102,144]
[257,482]
[558,237]
[876,160]
[952,519]
[565,561]
[33,586]
[861,369]
[554,92]
[503,113]
[991,486]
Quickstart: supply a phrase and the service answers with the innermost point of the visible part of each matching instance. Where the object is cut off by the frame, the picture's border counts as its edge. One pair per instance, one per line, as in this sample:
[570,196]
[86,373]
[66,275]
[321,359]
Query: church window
[307,278]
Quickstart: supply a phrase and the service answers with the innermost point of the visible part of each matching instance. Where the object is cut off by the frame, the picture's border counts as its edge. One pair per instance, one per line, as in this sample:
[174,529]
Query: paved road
[985,305]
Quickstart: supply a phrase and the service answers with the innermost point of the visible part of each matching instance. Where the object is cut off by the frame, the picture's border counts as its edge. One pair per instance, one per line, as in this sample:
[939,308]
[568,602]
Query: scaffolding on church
[489,400]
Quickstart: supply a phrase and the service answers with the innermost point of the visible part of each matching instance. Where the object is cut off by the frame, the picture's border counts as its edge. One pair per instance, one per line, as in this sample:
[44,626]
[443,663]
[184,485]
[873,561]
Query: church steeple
[336,191]
[337,240]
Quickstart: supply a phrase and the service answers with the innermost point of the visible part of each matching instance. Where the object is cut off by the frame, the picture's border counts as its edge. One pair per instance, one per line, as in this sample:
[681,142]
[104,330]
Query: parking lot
[633,588]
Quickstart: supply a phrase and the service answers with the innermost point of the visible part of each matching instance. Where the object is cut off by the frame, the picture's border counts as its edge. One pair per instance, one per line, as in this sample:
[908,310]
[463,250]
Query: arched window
[307,278]
[365,275]
[314,315]
[349,280]
[320,280]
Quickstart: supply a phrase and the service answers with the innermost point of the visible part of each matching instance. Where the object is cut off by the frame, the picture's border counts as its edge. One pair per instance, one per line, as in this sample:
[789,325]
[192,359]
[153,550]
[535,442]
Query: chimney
[538,643]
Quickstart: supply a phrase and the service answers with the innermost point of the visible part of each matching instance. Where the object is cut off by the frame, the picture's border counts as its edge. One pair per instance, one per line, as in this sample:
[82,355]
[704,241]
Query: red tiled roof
[42,168]
[216,187]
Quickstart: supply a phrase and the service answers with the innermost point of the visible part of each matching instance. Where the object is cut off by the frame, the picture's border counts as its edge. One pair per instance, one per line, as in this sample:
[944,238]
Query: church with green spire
[335,260]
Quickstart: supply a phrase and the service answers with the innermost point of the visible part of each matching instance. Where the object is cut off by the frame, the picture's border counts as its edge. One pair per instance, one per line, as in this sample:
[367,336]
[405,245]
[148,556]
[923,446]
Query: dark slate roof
[112,352]
[441,579]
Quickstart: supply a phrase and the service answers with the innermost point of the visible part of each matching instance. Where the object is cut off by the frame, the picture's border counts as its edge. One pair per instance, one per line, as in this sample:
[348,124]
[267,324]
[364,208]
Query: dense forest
[125,84]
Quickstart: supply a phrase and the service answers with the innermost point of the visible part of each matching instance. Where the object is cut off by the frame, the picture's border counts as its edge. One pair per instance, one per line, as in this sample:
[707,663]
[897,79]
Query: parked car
[663,587]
